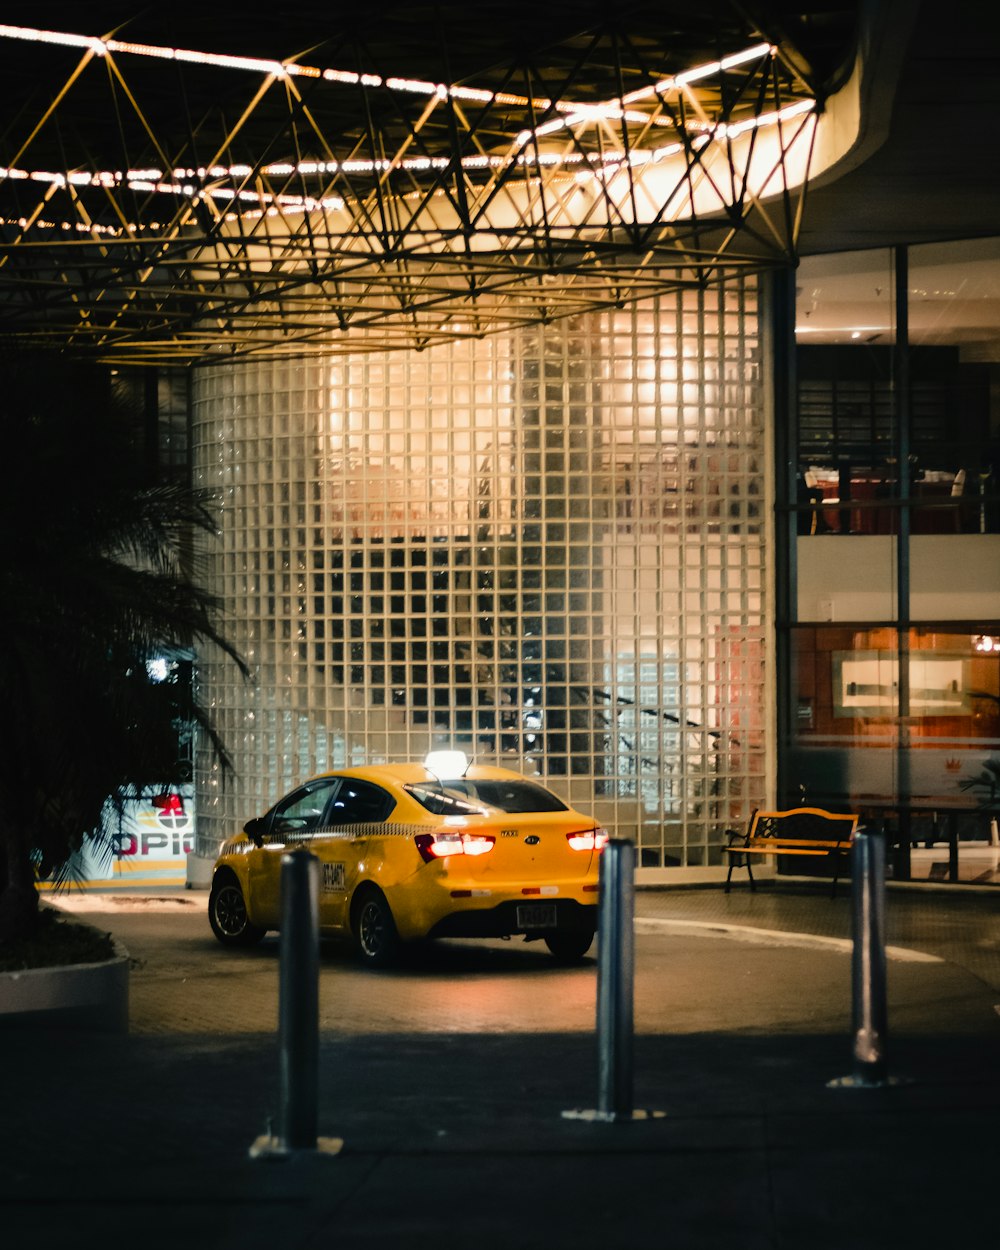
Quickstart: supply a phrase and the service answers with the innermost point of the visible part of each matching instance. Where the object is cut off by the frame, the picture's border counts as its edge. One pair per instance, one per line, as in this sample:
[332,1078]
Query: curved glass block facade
[546,549]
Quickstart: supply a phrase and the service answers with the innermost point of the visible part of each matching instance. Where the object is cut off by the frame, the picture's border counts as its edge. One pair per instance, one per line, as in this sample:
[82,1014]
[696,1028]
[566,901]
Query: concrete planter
[81,996]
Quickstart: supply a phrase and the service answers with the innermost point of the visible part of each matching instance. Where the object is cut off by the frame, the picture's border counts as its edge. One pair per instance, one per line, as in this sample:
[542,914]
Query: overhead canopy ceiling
[179,183]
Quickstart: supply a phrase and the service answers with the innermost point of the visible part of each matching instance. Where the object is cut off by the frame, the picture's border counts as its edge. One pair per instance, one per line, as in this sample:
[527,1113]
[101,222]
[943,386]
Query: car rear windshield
[468,797]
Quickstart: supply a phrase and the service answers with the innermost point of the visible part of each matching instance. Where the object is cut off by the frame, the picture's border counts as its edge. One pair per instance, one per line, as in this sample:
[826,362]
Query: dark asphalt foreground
[447,1081]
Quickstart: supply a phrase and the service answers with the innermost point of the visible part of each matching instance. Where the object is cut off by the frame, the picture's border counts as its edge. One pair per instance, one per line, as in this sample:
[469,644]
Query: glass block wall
[546,549]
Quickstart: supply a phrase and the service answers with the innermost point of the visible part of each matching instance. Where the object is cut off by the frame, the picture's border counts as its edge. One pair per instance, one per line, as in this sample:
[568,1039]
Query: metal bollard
[869,1011]
[298,1014]
[868,977]
[298,1001]
[615,978]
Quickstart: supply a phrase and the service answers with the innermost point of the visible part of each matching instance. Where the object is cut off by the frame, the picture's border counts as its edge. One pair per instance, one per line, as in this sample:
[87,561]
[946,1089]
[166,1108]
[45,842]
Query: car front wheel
[227,914]
[375,938]
[569,945]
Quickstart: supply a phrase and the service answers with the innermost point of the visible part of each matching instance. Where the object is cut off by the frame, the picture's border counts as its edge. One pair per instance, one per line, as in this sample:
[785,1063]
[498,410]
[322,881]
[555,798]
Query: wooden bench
[797,831]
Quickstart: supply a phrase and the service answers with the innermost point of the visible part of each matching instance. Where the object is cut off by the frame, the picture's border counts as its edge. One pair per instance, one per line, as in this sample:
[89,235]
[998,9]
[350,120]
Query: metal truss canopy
[165,204]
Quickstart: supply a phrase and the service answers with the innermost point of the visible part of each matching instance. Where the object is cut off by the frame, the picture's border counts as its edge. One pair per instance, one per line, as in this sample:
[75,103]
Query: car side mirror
[254,829]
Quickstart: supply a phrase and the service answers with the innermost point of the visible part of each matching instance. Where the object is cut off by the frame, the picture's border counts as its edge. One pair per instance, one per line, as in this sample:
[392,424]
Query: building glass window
[847,697]
[894,550]
[545,549]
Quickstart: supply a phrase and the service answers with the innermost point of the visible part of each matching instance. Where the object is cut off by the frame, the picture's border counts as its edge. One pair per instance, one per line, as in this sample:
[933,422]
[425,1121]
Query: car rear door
[355,815]
[293,821]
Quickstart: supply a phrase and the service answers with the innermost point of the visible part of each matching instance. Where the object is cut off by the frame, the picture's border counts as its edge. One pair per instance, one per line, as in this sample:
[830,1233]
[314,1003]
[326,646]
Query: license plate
[536,916]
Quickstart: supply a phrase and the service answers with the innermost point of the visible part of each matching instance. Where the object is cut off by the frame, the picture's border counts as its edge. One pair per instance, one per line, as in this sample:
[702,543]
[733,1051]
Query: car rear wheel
[569,945]
[375,938]
[227,914]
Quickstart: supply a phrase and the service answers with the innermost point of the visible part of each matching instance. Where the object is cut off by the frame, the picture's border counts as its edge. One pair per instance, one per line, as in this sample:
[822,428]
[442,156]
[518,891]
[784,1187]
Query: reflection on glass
[955,320]
[847,747]
[846,435]
[848,478]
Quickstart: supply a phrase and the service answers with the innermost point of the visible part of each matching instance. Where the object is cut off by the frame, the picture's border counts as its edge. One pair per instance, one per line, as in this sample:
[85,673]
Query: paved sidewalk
[457,1138]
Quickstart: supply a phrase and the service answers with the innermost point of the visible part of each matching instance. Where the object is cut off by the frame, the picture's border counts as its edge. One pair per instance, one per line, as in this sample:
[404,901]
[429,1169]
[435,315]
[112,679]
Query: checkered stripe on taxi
[370,829]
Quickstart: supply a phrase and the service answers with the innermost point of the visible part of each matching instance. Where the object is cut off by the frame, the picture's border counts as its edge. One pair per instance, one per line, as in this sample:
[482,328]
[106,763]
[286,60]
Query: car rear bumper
[502,920]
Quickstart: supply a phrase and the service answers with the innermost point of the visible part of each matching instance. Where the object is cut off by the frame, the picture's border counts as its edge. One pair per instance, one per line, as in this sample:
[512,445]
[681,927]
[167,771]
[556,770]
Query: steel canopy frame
[311,209]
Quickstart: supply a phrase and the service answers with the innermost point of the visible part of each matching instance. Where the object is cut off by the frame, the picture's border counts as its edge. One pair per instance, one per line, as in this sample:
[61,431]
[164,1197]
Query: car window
[443,802]
[358,803]
[301,812]
[511,796]
[504,796]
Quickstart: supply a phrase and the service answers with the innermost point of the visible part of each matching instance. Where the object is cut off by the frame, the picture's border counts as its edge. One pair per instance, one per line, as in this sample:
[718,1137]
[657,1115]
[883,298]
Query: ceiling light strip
[411,86]
[756,52]
[258,65]
[153,181]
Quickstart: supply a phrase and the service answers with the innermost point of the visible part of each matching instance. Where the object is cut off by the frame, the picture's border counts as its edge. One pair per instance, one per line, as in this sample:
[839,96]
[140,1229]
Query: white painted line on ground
[85,902]
[772,937]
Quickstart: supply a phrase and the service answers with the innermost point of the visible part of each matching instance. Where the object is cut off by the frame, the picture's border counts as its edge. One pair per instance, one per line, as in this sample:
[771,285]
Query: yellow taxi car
[411,851]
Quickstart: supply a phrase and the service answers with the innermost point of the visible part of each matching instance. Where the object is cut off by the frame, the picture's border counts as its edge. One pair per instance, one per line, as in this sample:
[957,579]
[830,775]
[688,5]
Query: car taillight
[588,839]
[437,845]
